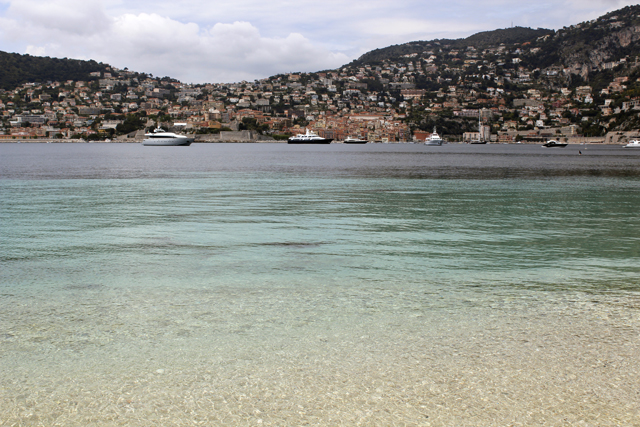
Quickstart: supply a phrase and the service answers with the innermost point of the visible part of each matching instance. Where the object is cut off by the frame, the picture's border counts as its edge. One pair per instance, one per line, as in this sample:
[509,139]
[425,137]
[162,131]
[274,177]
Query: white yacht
[309,138]
[161,137]
[434,139]
[554,143]
[633,144]
[350,140]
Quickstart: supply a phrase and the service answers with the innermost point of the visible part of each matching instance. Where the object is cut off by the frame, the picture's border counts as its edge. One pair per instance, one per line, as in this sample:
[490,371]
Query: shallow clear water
[268,284]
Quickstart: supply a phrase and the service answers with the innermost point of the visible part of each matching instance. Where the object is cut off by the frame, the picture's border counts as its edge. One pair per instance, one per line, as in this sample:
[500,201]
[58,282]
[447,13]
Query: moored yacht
[351,140]
[553,143]
[633,144]
[309,137]
[434,139]
[160,137]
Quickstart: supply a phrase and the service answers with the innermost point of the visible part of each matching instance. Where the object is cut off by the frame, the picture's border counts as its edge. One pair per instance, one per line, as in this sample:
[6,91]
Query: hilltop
[481,40]
[526,84]
[19,69]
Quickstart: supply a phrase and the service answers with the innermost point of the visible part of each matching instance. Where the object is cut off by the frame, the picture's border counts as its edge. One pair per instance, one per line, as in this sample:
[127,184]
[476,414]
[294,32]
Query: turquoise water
[267,284]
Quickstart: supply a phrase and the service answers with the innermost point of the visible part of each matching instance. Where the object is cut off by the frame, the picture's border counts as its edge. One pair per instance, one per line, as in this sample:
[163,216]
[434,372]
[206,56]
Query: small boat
[434,139]
[160,137]
[351,140]
[633,144]
[309,138]
[553,143]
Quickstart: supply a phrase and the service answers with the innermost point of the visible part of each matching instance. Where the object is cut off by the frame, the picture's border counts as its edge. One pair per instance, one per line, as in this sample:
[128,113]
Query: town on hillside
[502,93]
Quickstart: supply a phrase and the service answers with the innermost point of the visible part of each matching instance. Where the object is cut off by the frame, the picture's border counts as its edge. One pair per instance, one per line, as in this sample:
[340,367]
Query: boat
[309,137]
[434,139]
[633,144]
[553,143]
[351,140]
[160,137]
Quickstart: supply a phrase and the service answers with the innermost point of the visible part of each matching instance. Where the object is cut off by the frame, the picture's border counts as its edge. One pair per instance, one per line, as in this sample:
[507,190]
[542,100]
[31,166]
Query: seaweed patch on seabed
[84,287]
[295,244]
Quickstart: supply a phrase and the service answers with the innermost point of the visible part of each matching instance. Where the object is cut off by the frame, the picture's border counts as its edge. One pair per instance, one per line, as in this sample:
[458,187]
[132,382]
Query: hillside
[586,48]
[16,69]
[590,45]
[582,81]
[481,40]
[585,75]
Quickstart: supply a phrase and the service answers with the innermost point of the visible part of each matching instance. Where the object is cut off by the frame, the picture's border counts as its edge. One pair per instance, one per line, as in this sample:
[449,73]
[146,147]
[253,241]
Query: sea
[329,285]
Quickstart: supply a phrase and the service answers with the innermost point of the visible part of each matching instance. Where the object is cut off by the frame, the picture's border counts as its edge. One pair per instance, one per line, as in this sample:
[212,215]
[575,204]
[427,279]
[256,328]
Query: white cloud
[163,46]
[224,52]
[36,50]
[68,16]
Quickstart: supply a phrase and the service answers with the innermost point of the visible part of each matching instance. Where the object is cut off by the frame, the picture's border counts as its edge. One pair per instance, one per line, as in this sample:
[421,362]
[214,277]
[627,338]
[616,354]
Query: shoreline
[572,360]
[70,141]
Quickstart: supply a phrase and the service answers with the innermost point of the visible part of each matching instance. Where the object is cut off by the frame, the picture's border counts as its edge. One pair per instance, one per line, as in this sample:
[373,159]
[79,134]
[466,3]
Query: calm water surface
[268,284]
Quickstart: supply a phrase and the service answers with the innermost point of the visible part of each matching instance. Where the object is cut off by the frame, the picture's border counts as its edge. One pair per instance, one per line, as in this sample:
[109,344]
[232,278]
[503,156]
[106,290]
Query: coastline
[273,141]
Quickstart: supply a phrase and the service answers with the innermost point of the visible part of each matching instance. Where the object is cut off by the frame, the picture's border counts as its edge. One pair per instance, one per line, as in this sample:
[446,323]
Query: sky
[213,41]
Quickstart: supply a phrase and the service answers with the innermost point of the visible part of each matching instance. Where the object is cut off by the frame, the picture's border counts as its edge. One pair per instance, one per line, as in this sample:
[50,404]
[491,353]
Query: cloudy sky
[199,41]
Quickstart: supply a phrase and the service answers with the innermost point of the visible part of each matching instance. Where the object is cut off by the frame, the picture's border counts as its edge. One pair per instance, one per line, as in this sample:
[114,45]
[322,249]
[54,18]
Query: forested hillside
[16,69]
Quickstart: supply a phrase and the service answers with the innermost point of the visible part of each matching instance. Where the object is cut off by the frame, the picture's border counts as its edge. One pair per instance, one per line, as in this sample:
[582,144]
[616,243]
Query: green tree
[131,123]
[249,123]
